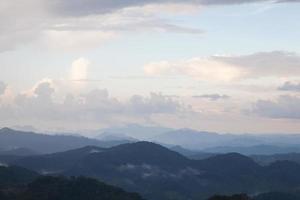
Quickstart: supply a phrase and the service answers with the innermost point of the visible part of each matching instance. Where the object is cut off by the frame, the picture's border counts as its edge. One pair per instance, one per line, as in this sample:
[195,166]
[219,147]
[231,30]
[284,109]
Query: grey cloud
[289,86]
[39,106]
[36,18]
[156,103]
[81,7]
[2,87]
[44,90]
[284,107]
[94,106]
[212,97]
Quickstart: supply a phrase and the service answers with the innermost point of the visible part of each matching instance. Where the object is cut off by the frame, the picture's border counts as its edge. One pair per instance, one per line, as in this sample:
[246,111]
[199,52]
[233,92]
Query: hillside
[159,173]
[42,143]
[20,184]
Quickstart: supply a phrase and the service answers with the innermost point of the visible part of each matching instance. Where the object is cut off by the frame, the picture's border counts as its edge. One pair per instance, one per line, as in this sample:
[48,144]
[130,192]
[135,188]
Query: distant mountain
[137,131]
[12,139]
[190,139]
[110,136]
[159,173]
[183,151]
[195,155]
[268,159]
[202,140]
[254,150]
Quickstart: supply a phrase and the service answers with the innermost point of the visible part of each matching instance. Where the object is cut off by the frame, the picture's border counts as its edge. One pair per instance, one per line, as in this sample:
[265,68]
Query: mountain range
[159,173]
[11,140]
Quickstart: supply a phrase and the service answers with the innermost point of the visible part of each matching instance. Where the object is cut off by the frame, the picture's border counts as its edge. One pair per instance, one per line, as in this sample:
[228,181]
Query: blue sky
[179,64]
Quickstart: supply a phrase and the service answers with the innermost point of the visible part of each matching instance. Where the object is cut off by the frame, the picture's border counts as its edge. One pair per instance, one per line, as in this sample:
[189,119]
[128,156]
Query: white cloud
[265,64]
[79,69]
[229,68]
[79,73]
[198,68]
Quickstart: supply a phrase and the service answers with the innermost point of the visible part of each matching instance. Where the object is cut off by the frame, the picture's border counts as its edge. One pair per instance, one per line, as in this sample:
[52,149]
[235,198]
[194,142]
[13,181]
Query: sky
[229,66]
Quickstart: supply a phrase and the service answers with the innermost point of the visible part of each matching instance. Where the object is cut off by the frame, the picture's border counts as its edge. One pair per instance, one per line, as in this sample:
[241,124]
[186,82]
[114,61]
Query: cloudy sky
[216,65]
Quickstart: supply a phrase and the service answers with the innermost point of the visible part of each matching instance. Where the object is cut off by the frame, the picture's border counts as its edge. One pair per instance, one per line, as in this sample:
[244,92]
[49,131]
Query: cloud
[76,40]
[79,69]
[289,86]
[44,90]
[284,107]
[2,88]
[277,64]
[81,24]
[212,97]
[79,73]
[61,24]
[95,107]
[198,68]
[80,7]
[265,64]
[155,103]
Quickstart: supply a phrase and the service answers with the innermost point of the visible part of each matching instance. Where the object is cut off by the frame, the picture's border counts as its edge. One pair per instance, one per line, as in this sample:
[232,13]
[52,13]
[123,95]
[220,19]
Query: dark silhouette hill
[159,173]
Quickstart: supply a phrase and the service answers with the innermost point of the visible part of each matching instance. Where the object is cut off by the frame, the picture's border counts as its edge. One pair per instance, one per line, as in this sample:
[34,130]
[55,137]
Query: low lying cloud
[284,107]
[277,64]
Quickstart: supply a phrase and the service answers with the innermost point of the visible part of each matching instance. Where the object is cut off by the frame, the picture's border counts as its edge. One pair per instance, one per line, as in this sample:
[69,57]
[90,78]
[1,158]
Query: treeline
[21,184]
[264,196]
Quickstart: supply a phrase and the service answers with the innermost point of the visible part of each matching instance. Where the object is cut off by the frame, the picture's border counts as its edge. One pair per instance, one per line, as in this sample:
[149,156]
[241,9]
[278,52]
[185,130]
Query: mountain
[57,162]
[137,131]
[254,150]
[268,159]
[15,175]
[264,196]
[232,197]
[19,152]
[195,155]
[12,139]
[224,143]
[110,136]
[20,184]
[59,188]
[188,138]
[159,173]
[278,196]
